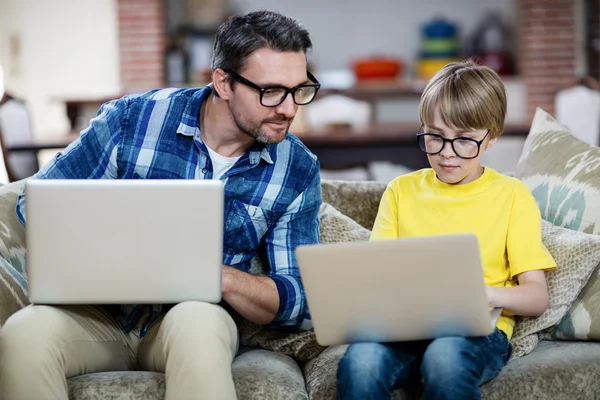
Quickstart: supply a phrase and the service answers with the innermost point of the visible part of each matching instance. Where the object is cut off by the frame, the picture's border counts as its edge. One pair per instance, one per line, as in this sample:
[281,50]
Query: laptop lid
[395,290]
[124,241]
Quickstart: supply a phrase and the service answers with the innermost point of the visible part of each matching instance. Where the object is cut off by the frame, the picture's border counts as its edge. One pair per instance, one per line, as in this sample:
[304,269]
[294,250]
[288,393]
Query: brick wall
[593,37]
[141,44]
[546,49]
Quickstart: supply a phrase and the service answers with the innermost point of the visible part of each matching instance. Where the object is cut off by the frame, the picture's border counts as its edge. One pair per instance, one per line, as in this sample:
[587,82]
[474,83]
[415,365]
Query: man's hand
[254,297]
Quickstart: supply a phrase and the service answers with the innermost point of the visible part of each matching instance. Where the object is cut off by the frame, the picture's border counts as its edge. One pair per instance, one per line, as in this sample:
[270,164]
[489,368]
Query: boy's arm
[386,222]
[528,259]
[529,299]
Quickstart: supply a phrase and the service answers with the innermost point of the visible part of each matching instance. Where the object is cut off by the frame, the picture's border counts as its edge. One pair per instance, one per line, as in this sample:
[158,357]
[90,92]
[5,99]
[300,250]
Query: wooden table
[336,148]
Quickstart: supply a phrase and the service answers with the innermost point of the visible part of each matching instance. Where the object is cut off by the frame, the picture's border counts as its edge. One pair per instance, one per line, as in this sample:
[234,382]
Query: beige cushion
[302,346]
[358,200]
[563,174]
[257,374]
[336,227]
[576,255]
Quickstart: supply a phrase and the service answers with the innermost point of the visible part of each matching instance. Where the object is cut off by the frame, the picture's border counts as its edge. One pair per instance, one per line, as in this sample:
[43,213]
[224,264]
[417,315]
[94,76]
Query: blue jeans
[450,367]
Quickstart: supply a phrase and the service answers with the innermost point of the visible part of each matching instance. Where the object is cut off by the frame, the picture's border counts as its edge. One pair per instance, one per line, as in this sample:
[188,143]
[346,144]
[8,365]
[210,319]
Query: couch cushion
[258,374]
[554,370]
[262,374]
[137,385]
[577,254]
[336,227]
[358,200]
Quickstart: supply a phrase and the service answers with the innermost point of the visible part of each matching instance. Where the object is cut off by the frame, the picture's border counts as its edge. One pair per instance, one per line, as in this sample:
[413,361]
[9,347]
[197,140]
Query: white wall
[68,48]
[343,29]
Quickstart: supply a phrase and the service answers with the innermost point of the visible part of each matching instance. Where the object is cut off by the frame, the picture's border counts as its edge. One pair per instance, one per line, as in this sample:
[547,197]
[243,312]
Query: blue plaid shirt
[272,193]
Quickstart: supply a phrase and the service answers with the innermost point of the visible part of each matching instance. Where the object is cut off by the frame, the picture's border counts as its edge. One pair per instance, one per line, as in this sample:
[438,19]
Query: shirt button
[204,170]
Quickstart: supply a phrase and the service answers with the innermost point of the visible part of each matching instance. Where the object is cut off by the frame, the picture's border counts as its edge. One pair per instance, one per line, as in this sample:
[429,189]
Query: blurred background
[61,59]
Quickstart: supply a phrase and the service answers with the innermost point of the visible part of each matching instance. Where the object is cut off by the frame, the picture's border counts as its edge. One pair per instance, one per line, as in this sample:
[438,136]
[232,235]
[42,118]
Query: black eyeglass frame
[451,141]
[262,89]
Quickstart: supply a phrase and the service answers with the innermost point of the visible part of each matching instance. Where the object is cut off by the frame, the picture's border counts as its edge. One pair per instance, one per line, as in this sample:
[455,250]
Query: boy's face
[448,166]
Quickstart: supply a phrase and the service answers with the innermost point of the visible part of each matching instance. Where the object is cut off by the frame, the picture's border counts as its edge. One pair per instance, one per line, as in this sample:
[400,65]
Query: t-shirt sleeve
[386,222]
[526,251]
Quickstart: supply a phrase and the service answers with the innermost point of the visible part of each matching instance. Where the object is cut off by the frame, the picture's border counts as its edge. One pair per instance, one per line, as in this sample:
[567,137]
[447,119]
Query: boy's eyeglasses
[273,96]
[463,147]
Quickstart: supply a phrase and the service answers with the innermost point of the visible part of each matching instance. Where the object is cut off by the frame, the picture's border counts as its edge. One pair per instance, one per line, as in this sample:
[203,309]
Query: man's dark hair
[240,36]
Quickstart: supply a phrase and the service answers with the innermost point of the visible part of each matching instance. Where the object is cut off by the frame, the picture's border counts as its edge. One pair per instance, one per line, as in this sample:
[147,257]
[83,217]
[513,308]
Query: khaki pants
[193,344]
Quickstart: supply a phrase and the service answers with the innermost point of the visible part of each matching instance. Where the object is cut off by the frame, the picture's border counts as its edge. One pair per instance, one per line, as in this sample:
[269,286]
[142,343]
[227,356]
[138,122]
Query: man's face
[448,167]
[266,67]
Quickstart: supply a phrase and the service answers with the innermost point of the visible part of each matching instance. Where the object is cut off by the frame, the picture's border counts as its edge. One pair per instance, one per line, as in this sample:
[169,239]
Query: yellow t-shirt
[498,209]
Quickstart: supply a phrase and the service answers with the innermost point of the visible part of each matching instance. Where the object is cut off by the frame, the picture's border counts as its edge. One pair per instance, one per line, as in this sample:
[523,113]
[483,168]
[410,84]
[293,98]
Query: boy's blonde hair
[469,96]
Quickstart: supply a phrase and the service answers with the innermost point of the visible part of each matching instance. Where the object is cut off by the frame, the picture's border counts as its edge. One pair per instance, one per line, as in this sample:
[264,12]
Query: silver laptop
[124,241]
[396,290]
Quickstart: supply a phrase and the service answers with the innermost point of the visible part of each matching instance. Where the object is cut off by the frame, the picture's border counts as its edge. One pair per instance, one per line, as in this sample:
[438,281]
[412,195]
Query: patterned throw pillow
[302,346]
[582,321]
[576,254]
[12,232]
[13,273]
[563,173]
[13,291]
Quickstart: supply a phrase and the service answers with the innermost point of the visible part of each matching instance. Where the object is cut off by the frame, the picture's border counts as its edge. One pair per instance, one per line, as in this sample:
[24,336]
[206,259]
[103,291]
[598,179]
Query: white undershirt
[221,164]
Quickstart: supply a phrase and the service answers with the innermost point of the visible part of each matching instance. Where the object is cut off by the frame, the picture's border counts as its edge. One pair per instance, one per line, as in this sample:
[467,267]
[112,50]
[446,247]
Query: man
[235,130]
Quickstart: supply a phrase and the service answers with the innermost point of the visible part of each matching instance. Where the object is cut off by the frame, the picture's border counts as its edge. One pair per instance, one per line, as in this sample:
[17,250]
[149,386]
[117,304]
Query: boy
[462,112]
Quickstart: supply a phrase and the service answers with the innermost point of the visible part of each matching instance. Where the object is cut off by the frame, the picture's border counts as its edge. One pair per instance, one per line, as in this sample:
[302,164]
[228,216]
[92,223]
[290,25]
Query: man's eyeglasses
[463,147]
[273,96]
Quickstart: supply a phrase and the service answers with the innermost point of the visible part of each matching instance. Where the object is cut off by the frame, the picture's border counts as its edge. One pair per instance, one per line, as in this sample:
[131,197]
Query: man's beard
[255,131]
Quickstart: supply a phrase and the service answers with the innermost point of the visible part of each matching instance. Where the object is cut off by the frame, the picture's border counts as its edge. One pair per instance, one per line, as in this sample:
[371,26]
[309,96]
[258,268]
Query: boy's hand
[491,292]
[529,298]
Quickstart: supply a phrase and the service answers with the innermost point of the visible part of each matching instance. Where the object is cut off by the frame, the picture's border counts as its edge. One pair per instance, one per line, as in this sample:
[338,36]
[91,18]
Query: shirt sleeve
[91,156]
[524,246]
[298,226]
[386,222]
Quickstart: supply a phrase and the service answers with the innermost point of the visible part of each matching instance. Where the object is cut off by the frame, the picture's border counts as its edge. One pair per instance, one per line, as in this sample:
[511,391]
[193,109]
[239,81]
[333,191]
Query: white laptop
[396,290]
[124,241]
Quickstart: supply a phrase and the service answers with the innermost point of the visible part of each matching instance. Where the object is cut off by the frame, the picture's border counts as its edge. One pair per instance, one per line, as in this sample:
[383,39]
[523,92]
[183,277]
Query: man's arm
[92,156]
[279,299]
[254,297]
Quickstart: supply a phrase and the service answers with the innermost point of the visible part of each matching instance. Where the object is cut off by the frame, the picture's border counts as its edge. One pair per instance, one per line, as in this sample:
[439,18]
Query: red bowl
[377,68]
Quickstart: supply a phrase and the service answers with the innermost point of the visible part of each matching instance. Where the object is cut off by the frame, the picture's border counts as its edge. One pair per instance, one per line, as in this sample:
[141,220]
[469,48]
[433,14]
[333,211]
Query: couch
[281,365]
